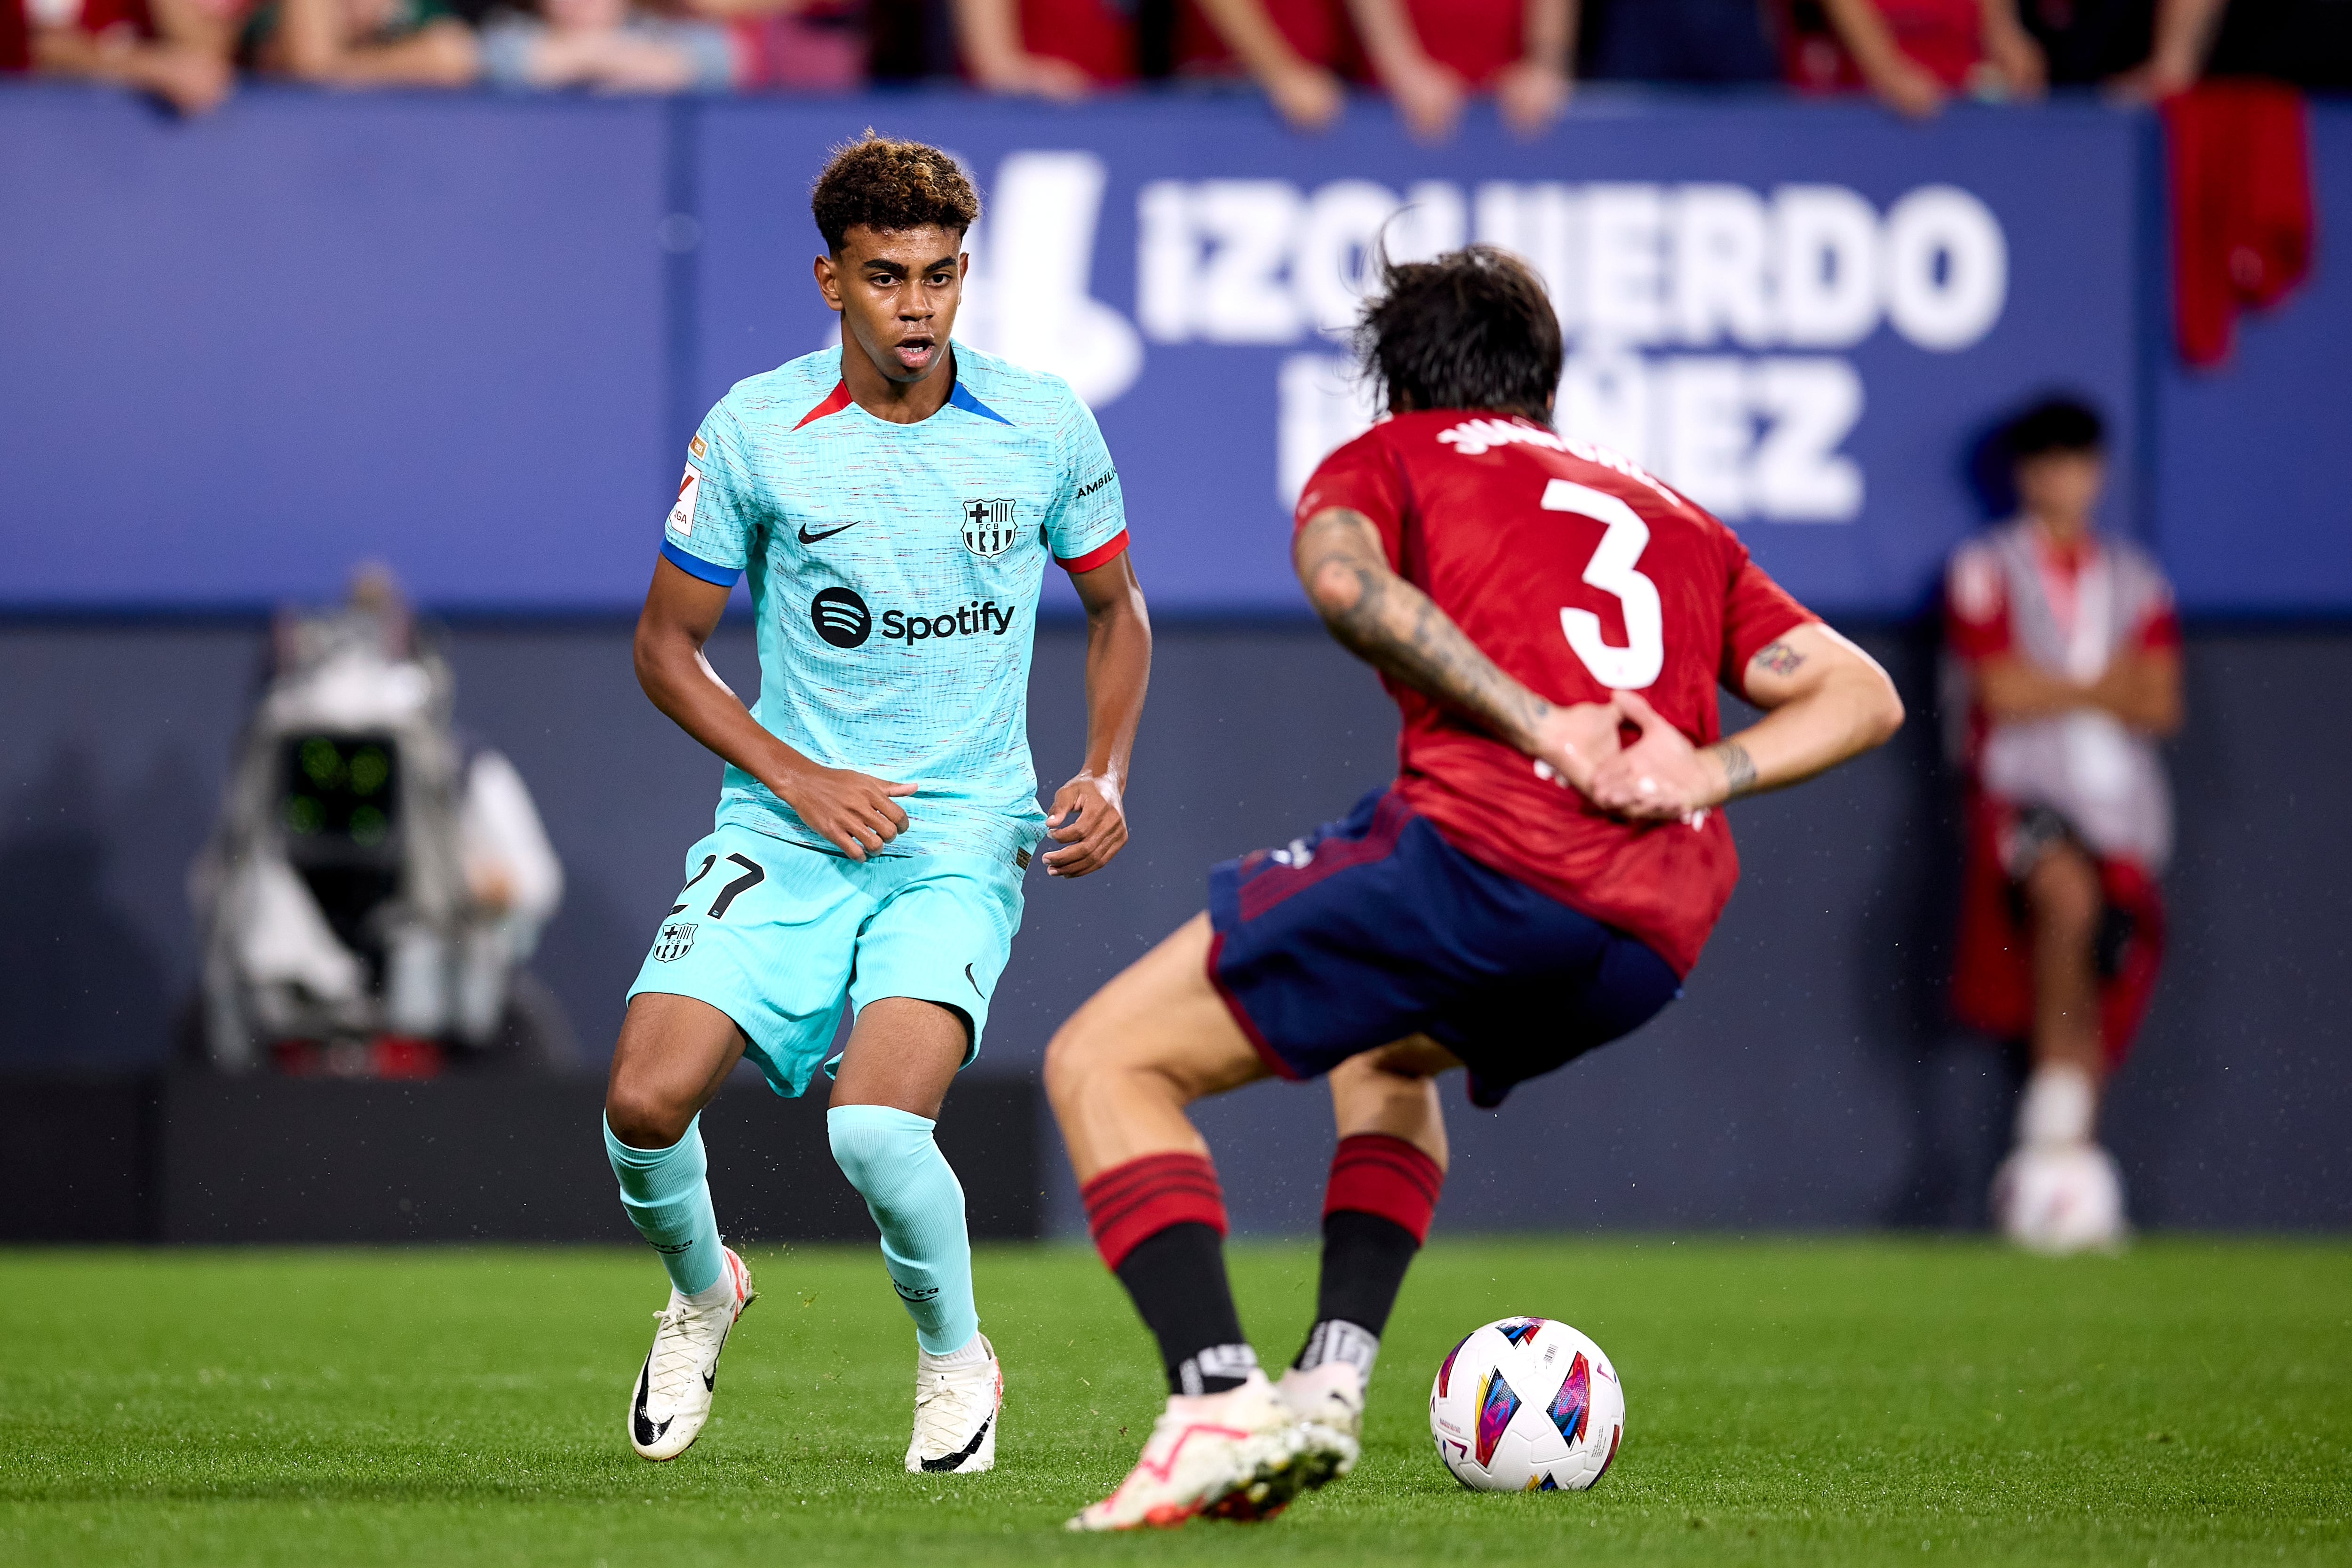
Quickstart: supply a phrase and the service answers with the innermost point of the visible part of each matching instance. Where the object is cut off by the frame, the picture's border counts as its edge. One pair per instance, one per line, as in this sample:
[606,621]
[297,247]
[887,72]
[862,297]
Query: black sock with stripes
[1177,1277]
[1365,1258]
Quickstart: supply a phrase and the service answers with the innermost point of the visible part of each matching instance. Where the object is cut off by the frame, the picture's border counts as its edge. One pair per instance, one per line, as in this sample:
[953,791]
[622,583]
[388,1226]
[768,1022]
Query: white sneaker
[1330,1395]
[672,1397]
[2060,1198]
[1242,1454]
[956,1409]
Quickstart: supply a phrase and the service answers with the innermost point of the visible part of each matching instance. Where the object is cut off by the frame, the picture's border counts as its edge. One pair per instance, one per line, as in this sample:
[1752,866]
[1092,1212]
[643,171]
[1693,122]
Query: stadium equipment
[2060,1198]
[371,892]
[1526,1405]
[956,1408]
[671,1398]
[1241,1455]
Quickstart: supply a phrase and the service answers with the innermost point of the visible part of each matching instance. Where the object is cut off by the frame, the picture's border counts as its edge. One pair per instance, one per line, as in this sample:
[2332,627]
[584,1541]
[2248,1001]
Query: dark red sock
[1376,1214]
[1372,1172]
[1128,1202]
[1160,1223]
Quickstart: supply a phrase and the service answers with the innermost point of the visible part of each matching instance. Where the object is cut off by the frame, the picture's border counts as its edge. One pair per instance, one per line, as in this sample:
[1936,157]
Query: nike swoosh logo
[808,538]
[645,1432]
[975,984]
[949,1461]
[711,1375]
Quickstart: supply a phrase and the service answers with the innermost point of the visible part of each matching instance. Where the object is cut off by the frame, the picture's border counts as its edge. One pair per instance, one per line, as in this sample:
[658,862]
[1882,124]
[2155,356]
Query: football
[1526,1405]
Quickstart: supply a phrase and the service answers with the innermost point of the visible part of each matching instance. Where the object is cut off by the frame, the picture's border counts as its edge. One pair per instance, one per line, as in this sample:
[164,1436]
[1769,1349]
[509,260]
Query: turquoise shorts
[782,937]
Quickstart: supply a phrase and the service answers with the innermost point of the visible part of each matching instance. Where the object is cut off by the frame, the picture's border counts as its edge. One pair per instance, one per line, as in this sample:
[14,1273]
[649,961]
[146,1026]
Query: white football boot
[956,1411]
[2059,1193]
[1330,1395]
[2060,1199]
[1243,1453]
[672,1397]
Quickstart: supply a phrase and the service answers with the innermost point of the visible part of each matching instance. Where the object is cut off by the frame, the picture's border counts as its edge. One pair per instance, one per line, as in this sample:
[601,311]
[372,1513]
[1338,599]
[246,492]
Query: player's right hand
[1661,777]
[1572,742]
[856,812]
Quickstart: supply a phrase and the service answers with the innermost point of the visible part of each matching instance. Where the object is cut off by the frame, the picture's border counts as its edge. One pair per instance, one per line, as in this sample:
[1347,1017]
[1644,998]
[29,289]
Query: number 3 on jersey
[1611,571]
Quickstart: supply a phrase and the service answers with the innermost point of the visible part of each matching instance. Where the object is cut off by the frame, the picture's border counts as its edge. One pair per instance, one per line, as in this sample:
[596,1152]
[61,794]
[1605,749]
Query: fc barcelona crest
[988,527]
[677,939]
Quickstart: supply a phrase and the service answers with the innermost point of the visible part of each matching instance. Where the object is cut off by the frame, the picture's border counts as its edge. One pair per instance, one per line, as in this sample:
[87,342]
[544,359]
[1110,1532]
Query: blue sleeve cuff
[696,566]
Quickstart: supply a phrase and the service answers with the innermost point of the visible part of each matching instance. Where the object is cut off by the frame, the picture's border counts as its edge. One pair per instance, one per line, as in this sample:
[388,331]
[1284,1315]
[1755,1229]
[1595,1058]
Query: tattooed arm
[1393,627]
[1826,700]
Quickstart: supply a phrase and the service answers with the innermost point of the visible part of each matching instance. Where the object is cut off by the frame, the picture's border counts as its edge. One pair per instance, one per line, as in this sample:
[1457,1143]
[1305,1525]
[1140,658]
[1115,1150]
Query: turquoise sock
[889,1157]
[668,1200]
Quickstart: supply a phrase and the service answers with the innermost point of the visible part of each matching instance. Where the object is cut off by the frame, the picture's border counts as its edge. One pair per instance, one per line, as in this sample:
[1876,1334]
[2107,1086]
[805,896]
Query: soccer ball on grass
[1526,1405]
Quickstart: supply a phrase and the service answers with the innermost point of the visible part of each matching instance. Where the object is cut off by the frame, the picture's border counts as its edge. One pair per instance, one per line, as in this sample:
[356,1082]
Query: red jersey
[1577,573]
[1946,37]
[1093,35]
[1478,38]
[1320,30]
[20,19]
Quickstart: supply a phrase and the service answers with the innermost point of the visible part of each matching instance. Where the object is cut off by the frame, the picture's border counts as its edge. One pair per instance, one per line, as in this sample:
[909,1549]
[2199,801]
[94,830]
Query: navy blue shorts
[1376,928]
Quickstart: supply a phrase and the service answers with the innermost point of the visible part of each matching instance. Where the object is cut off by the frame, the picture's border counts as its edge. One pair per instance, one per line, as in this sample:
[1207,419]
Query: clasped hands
[1660,778]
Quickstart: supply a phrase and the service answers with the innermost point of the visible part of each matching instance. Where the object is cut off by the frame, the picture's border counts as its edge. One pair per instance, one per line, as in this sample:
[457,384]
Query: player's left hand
[1661,777]
[1091,825]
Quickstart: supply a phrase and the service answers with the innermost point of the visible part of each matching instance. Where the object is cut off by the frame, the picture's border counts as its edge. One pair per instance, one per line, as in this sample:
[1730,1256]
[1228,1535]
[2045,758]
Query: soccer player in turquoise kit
[894,505]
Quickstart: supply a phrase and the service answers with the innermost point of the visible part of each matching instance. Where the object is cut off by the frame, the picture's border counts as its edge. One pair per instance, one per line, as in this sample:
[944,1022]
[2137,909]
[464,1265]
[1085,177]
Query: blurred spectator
[1429,55]
[161,46]
[364,43]
[803,44]
[2307,42]
[1297,50]
[1699,41]
[2090,42]
[1058,49]
[2066,653]
[602,43]
[1914,54]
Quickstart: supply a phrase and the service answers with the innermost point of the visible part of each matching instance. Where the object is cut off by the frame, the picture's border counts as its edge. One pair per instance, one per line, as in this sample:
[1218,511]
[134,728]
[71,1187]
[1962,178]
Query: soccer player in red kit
[1535,884]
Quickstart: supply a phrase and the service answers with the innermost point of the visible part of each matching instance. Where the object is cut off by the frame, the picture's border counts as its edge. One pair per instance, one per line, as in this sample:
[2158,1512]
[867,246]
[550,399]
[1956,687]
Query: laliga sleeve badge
[689,490]
[696,446]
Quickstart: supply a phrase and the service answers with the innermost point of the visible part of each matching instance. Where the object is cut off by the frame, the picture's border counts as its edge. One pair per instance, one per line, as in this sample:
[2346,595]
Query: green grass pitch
[1790,1402]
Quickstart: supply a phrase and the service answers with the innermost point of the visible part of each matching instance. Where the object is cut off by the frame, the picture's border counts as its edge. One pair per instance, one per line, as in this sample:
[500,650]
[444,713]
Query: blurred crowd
[1430,57]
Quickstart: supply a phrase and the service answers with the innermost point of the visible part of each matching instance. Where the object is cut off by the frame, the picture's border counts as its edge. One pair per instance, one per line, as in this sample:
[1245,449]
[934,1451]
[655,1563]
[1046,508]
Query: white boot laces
[950,1406]
[678,1354]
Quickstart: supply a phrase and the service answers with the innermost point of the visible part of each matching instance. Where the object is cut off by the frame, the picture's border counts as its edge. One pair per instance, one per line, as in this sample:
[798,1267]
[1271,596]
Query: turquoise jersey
[895,571]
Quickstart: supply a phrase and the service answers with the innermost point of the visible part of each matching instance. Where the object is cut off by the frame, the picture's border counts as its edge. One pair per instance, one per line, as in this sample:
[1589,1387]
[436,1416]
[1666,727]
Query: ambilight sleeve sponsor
[1086,515]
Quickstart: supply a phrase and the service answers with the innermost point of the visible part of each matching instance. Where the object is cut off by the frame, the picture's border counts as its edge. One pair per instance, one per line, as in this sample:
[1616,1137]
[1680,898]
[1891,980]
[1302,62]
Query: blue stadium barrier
[469,335]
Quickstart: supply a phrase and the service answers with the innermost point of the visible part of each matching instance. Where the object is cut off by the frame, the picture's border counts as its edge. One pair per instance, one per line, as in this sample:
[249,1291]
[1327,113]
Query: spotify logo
[841,618]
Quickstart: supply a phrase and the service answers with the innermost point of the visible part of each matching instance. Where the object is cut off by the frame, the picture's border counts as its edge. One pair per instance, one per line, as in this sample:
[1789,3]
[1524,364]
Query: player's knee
[642,1117]
[1370,1093]
[2064,893]
[876,1151]
[1070,1065]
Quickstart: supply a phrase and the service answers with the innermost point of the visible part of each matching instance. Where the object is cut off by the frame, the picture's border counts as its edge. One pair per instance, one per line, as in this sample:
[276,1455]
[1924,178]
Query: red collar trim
[835,402]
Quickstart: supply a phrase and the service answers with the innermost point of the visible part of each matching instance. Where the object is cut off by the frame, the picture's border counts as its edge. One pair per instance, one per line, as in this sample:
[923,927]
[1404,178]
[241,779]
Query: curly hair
[890,186]
[1473,328]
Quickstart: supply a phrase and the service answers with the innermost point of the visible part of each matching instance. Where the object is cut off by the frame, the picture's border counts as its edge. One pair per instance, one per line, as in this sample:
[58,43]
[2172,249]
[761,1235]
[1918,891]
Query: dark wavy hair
[1473,328]
[2060,424]
[890,186]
